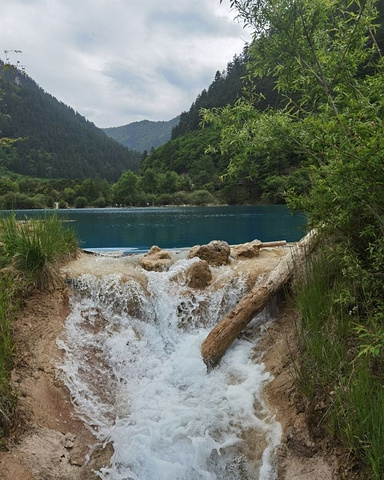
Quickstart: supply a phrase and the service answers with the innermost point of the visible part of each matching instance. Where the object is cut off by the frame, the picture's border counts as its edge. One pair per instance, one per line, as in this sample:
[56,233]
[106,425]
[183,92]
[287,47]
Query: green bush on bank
[29,256]
[340,365]
[34,247]
[7,312]
[18,200]
[136,190]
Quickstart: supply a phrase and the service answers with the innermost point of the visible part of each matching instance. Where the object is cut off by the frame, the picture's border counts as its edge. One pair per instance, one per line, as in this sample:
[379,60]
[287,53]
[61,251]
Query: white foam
[137,376]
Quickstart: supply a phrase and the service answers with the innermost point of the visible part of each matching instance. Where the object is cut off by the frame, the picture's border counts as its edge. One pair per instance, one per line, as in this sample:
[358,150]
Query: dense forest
[54,141]
[143,136]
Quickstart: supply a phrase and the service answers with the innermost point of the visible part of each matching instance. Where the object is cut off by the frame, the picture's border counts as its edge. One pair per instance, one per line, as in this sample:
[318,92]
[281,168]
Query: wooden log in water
[230,327]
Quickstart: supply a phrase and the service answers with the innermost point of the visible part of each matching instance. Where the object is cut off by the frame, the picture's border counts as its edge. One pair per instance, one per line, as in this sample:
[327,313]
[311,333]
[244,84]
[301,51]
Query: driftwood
[230,327]
[279,243]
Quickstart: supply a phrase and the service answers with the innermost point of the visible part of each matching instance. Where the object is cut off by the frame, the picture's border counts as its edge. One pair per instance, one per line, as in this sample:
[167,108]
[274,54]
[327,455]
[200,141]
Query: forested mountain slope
[193,151]
[144,135]
[57,142]
[227,87]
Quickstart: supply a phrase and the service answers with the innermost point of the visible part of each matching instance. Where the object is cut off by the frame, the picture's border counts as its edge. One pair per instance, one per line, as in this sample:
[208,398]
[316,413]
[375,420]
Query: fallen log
[230,327]
[279,243]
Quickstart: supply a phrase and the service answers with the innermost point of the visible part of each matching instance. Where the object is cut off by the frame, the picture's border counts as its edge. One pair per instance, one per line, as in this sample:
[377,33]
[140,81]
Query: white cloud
[118,61]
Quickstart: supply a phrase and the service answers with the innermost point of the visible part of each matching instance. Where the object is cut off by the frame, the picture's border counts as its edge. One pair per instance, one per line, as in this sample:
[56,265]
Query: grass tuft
[34,248]
[337,363]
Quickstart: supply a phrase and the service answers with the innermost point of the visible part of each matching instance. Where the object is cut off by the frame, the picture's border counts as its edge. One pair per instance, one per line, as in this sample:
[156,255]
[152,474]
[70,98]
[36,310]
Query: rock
[299,443]
[69,440]
[156,260]
[199,275]
[196,275]
[216,253]
[247,250]
[76,460]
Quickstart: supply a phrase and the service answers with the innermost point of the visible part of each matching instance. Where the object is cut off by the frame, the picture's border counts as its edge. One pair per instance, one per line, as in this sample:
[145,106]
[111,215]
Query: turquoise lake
[138,229]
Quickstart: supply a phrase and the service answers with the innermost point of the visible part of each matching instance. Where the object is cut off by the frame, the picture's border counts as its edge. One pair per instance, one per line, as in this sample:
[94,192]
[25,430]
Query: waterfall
[133,366]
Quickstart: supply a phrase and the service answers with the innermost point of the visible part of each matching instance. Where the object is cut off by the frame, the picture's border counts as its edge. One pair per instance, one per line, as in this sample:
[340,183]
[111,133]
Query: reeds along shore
[340,366]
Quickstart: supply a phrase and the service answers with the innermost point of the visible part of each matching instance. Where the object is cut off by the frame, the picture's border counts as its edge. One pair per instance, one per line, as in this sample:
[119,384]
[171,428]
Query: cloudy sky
[120,61]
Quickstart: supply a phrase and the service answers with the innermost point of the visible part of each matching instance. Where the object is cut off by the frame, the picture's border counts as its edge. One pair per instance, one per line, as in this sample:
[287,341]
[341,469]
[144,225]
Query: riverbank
[305,452]
[50,442]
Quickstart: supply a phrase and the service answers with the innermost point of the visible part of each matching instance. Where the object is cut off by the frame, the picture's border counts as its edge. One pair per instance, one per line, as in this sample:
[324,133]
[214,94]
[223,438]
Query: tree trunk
[230,327]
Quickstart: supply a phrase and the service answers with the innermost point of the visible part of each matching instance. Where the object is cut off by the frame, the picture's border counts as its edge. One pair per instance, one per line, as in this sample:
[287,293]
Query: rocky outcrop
[156,260]
[199,275]
[247,250]
[216,253]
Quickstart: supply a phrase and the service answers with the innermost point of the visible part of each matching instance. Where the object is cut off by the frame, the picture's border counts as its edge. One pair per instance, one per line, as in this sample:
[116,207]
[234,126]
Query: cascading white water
[134,369]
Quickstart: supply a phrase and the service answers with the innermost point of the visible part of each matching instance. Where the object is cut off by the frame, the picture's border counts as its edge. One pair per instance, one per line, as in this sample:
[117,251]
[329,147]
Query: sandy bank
[50,442]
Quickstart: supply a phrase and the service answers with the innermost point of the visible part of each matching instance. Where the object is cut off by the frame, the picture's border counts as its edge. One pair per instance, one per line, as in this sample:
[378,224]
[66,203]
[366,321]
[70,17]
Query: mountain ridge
[56,141]
[143,135]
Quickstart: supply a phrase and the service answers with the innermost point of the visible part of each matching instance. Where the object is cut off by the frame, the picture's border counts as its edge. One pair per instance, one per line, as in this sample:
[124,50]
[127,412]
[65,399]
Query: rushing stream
[133,365]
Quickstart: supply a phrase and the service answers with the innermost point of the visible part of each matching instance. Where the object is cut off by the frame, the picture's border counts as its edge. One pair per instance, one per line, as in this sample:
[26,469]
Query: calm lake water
[140,228]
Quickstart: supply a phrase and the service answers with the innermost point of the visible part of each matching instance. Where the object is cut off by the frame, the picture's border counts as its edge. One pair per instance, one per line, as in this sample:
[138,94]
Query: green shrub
[202,197]
[324,327]
[99,202]
[341,359]
[7,312]
[164,199]
[145,199]
[17,200]
[81,202]
[181,198]
[40,201]
[357,415]
[34,247]
[6,316]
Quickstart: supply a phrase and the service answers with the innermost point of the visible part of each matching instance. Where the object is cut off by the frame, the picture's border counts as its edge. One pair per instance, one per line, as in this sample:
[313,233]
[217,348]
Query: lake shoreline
[114,207]
[140,228]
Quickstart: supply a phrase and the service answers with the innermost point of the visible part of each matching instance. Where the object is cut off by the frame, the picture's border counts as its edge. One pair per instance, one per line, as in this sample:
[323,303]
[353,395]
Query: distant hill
[144,135]
[57,142]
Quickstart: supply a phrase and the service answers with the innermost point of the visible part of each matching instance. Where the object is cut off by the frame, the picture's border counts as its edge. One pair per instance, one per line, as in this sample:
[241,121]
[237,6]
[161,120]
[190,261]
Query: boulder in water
[156,260]
[199,275]
[216,253]
[247,250]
